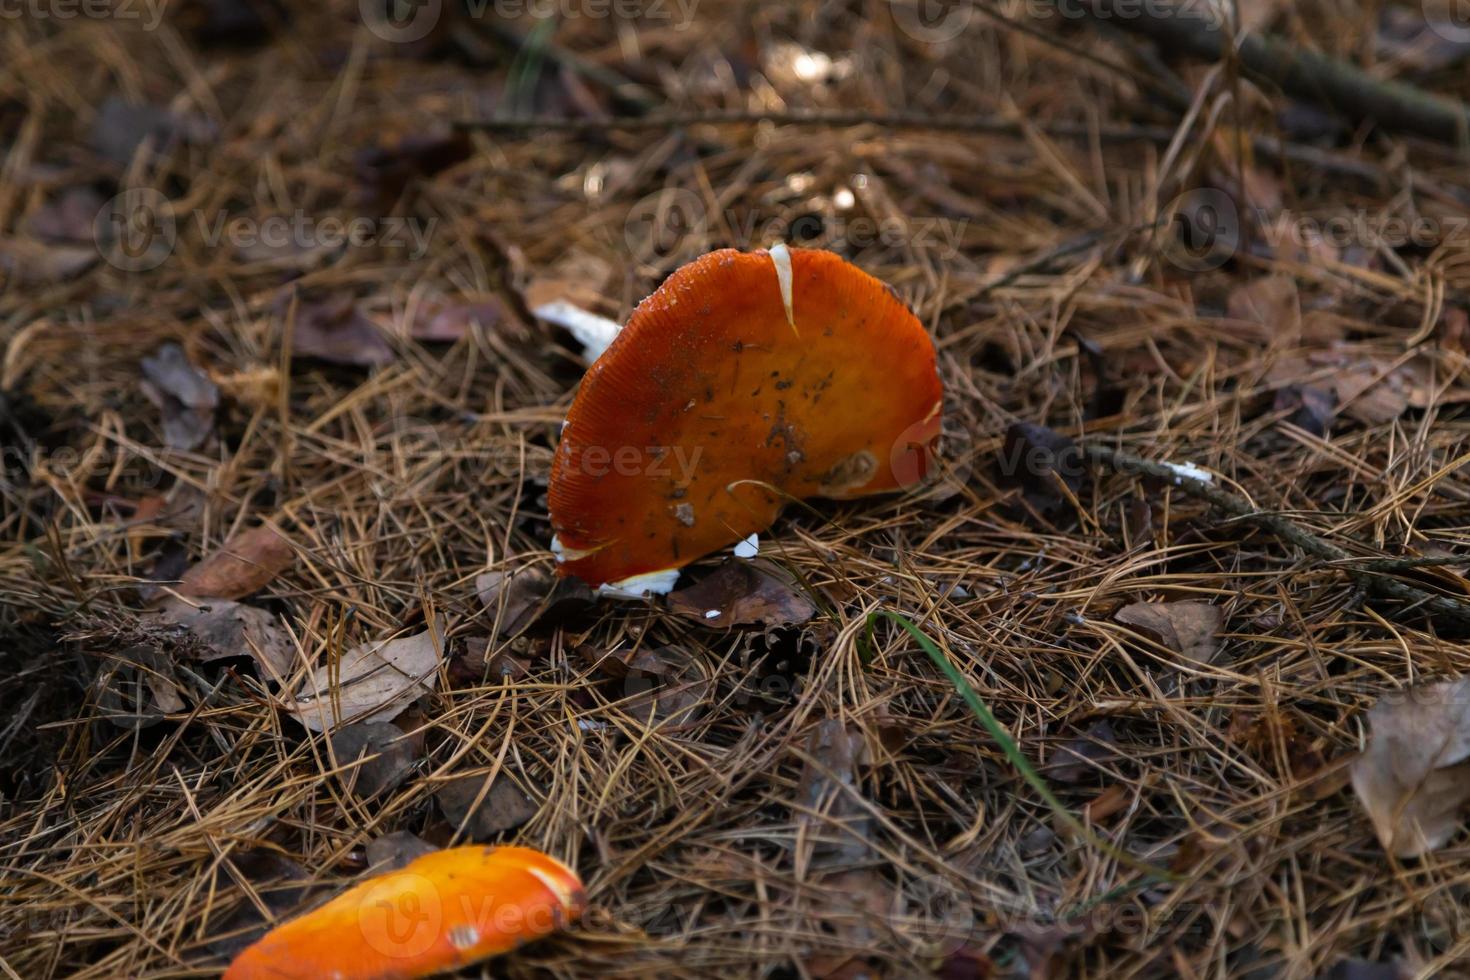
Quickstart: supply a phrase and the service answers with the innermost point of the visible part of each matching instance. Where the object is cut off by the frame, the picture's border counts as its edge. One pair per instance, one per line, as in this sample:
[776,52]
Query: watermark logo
[666,225]
[1450,19]
[1205,230]
[400,21]
[932,21]
[136,230]
[933,916]
[401,916]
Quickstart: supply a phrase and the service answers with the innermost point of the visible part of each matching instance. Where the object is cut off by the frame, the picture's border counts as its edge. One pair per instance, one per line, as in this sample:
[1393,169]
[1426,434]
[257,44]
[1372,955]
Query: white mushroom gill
[637,586]
[781,259]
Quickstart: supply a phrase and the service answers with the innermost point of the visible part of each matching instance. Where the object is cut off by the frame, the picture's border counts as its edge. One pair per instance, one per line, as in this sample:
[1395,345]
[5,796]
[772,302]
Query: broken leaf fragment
[714,406]
[374,757]
[374,681]
[223,628]
[246,563]
[739,594]
[185,397]
[441,911]
[1189,628]
[482,811]
[1414,776]
[514,599]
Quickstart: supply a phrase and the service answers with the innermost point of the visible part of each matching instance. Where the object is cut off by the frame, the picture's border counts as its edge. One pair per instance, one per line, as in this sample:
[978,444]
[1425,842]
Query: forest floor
[261,297]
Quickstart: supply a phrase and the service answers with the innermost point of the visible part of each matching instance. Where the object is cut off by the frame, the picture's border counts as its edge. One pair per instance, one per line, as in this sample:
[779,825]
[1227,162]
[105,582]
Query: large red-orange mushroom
[441,911]
[744,380]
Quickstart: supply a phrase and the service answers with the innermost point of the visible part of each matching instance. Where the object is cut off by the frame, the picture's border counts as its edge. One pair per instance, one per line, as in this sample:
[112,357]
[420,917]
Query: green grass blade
[1008,746]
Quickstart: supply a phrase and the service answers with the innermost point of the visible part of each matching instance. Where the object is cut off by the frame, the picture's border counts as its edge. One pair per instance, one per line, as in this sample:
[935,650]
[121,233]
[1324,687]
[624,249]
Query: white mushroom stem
[593,332]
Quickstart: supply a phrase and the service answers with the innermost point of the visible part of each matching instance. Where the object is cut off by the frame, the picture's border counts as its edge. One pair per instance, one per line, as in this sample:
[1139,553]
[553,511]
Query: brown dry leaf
[738,594]
[138,688]
[450,321]
[384,170]
[393,851]
[374,681]
[514,599]
[1041,463]
[665,686]
[1079,757]
[1453,329]
[504,806]
[280,884]
[1370,391]
[1276,735]
[35,264]
[68,218]
[1270,301]
[185,397]
[228,629]
[838,826]
[1110,801]
[244,564]
[120,127]
[1414,777]
[1138,521]
[374,757]
[336,329]
[1188,628]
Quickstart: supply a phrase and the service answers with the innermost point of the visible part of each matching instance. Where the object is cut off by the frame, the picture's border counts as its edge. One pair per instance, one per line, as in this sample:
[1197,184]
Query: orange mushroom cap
[441,911]
[744,379]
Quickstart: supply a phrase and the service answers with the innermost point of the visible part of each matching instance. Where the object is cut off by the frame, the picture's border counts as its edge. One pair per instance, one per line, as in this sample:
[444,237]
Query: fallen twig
[1267,147]
[1307,75]
[1369,576]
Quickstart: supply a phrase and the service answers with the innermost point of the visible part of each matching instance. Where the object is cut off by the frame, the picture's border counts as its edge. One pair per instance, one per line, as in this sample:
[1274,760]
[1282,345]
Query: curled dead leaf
[1414,777]
[223,628]
[374,681]
[739,593]
[185,397]
[483,812]
[1189,628]
[515,598]
[245,563]
[373,757]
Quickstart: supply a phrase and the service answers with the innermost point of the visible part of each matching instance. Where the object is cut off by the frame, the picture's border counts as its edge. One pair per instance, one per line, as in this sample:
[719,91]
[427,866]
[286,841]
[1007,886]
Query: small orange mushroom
[441,911]
[744,380]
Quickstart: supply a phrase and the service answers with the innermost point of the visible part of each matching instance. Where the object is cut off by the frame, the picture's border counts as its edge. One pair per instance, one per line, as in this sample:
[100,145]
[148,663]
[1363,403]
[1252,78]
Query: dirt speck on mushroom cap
[709,399]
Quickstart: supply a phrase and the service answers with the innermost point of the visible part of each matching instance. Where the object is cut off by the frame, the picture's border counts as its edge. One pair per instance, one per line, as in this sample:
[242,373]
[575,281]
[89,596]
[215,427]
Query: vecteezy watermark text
[301,230]
[407,21]
[659,462]
[1209,228]
[148,12]
[139,229]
